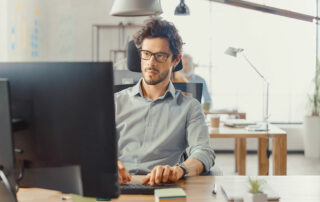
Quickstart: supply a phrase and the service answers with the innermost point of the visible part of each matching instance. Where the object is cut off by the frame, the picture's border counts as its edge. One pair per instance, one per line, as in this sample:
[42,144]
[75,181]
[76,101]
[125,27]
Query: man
[157,124]
[188,73]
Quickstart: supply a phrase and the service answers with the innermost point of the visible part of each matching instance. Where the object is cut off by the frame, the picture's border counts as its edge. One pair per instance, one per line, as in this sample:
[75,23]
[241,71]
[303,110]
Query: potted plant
[255,193]
[312,121]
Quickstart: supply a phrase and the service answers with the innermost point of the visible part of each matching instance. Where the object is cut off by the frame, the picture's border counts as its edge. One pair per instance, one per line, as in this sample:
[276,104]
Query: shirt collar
[171,89]
[137,91]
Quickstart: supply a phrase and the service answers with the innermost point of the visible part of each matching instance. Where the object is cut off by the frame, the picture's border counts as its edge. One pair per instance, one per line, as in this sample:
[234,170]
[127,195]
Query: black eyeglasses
[159,56]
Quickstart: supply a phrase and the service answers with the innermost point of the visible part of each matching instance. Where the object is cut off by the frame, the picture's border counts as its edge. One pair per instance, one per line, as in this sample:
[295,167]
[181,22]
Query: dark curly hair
[155,28]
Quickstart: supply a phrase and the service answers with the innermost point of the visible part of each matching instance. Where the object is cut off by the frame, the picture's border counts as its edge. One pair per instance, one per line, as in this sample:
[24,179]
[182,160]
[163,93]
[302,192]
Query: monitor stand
[7,191]
[64,178]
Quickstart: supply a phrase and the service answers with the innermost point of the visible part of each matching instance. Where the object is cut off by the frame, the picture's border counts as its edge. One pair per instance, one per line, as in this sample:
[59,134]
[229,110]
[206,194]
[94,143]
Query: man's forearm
[194,166]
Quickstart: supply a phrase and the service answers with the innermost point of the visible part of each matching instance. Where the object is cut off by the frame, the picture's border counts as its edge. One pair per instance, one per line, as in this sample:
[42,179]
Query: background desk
[236,114]
[198,189]
[279,148]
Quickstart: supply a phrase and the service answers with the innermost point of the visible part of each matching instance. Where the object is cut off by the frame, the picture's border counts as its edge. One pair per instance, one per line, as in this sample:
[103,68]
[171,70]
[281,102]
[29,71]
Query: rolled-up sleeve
[198,137]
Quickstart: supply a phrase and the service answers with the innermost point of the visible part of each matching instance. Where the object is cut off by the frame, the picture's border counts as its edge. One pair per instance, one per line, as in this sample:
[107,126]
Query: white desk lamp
[234,52]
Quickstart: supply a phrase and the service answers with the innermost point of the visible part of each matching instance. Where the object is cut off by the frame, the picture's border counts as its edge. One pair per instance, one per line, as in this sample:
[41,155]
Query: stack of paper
[170,194]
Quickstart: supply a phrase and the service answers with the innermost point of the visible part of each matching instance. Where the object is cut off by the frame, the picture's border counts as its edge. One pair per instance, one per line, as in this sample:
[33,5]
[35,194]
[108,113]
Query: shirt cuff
[202,157]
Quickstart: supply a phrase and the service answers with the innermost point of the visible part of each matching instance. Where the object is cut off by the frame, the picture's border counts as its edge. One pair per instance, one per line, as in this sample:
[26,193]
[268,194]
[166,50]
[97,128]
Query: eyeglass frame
[154,54]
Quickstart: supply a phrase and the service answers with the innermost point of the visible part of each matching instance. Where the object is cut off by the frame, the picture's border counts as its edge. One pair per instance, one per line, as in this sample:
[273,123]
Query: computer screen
[64,126]
[7,175]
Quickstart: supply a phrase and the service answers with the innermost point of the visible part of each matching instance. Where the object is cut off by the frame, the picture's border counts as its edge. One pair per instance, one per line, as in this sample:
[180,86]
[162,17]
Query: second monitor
[64,123]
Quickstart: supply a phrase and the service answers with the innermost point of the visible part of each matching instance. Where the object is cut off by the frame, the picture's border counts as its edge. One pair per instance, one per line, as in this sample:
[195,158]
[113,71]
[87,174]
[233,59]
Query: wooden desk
[289,188]
[38,195]
[279,148]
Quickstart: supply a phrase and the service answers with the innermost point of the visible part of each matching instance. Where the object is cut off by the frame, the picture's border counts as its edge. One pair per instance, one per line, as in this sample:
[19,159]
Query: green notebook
[170,194]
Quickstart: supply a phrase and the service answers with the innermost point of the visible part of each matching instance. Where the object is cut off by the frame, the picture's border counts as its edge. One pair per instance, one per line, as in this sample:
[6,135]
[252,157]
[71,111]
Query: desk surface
[232,132]
[289,188]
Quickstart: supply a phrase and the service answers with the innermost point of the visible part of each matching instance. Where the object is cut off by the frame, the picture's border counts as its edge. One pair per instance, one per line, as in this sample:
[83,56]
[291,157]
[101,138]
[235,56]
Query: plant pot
[260,197]
[311,136]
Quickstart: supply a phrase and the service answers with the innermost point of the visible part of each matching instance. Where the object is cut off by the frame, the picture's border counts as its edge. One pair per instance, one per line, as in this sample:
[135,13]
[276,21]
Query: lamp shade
[182,9]
[233,51]
[136,8]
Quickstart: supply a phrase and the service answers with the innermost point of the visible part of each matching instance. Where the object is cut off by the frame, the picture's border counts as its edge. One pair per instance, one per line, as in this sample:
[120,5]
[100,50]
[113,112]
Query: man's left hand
[163,174]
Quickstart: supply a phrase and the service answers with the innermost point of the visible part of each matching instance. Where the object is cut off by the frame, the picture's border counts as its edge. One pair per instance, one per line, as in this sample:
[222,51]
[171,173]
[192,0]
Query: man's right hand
[124,176]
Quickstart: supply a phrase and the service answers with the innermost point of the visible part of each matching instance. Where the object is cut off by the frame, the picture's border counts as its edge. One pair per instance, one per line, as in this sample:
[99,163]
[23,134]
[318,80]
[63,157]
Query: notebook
[170,194]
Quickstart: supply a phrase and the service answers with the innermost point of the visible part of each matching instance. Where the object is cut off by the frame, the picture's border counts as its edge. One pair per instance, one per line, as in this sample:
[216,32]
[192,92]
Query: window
[283,49]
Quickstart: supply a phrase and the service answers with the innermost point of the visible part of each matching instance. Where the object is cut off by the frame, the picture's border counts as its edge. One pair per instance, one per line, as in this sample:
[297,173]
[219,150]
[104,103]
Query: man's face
[188,68]
[154,71]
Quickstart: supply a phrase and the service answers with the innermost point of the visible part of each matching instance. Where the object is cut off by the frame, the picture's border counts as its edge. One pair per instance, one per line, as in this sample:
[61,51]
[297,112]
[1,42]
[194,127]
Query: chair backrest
[134,61]
[194,88]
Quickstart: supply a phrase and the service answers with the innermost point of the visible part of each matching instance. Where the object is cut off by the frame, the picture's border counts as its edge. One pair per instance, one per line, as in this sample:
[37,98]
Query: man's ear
[177,60]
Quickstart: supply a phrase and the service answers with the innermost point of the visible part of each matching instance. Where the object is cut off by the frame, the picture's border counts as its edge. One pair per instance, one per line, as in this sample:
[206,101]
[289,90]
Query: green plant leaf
[315,97]
[255,185]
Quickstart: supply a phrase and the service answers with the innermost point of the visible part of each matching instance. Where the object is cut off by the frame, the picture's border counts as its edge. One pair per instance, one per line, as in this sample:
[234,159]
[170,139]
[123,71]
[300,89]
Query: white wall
[57,30]
[3,30]
[25,30]
[69,27]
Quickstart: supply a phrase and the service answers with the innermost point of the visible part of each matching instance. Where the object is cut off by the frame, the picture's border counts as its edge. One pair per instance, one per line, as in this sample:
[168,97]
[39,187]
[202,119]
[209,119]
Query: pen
[215,189]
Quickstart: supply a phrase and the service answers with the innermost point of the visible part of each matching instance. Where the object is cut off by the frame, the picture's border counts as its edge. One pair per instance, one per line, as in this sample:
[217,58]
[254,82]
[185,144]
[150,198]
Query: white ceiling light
[136,8]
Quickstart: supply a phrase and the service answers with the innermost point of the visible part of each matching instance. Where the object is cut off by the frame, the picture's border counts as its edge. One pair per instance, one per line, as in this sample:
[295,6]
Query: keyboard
[143,188]
[238,122]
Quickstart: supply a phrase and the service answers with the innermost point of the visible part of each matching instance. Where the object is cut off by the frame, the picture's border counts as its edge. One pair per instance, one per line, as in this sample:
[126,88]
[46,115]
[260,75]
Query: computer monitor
[64,126]
[7,176]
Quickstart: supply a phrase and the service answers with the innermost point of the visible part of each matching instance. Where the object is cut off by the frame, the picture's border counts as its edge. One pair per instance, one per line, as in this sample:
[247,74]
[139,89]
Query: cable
[7,184]
[267,126]
[268,149]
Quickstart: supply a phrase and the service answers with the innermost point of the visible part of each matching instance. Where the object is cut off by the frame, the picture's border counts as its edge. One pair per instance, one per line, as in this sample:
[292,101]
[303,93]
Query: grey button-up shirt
[158,132]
